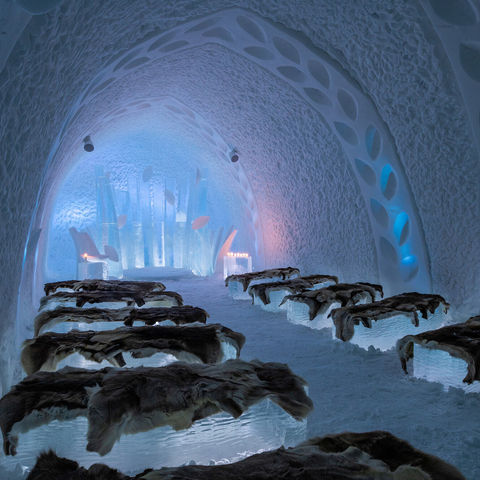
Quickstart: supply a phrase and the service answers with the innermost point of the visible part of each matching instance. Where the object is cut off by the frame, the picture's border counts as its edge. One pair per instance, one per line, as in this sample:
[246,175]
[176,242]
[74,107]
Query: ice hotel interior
[240,239]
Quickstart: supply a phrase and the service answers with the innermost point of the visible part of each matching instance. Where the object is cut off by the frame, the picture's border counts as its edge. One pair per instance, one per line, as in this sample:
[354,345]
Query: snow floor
[367,388]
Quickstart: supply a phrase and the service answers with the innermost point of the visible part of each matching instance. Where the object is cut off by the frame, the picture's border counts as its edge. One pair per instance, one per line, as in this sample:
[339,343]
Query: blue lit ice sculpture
[145,219]
[107,225]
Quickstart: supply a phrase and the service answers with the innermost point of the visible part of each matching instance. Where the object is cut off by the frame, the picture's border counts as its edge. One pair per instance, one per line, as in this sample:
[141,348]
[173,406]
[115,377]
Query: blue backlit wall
[148,197]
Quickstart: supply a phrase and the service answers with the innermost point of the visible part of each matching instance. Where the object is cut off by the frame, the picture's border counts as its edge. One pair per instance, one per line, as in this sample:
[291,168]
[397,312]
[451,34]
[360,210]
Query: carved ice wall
[348,112]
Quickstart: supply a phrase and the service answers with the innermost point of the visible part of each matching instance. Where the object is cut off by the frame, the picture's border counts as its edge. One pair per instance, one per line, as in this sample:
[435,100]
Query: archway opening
[150,199]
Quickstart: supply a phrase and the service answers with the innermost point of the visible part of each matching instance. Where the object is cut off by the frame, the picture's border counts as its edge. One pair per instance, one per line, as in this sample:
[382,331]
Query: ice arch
[158,137]
[456,25]
[347,110]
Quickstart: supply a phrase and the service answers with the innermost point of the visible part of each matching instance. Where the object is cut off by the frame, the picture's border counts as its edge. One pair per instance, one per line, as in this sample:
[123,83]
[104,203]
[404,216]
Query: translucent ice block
[272,279]
[439,366]
[235,289]
[385,332]
[159,359]
[234,264]
[218,438]
[276,296]
[52,304]
[161,301]
[298,313]
[64,327]
[318,286]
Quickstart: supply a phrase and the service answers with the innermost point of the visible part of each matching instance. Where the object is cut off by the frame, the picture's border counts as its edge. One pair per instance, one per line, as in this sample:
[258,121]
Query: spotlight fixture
[87,144]
[234,155]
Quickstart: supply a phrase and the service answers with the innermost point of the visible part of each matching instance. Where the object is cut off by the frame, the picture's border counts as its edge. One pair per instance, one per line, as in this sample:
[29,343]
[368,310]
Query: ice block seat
[199,343]
[128,316]
[449,355]
[103,285]
[311,308]
[345,456]
[238,284]
[131,400]
[269,295]
[219,438]
[380,324]
[110,299]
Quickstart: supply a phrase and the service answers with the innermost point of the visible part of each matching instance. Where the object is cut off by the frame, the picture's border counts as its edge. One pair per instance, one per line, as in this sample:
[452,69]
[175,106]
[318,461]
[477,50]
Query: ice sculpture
[110,299]
[235,263]
[346,456]
[169,222]
[90,262]
[312,308]
[128,316]
[381,324]
[238,284]
[107,226]
[269,296]
[208,344]
[146,220]
[448,355]
[177,395]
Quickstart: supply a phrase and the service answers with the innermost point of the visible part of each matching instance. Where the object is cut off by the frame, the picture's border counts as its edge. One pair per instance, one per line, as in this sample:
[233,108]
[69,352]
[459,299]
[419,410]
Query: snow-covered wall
[300,160]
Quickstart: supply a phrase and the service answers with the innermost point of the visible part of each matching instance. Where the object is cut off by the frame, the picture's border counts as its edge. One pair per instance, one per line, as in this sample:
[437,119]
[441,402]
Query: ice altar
[235,263]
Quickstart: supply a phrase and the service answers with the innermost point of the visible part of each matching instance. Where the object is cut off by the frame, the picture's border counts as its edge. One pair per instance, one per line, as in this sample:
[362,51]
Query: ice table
[449,355]
[312,308]
[238,284]
[110,299]
[103,285]
[63,319]
[269,295]
[347,455]
[218,438]
[211,343]
[380,324]
[177,395]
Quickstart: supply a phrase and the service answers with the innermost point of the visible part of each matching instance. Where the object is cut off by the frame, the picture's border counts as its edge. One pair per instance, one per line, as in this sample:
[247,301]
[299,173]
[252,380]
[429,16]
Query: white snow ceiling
[358,125]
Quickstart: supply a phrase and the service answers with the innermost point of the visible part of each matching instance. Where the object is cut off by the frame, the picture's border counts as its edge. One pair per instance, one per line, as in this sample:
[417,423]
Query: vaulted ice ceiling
[358,124]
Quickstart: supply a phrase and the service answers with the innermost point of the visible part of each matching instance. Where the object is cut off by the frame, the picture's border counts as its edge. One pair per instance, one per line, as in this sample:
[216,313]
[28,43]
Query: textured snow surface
[352,389]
